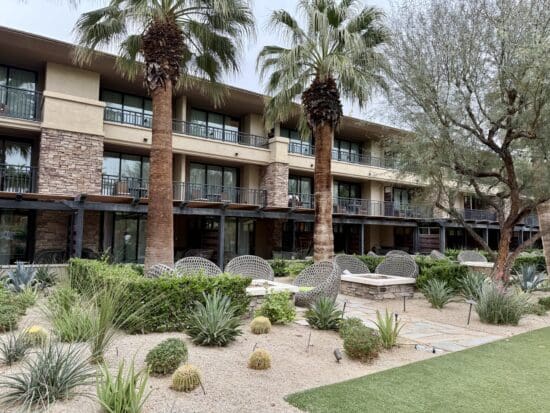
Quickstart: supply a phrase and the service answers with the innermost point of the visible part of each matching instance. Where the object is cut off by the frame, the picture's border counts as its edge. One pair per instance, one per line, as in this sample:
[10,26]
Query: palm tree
[167,41]
[334,54]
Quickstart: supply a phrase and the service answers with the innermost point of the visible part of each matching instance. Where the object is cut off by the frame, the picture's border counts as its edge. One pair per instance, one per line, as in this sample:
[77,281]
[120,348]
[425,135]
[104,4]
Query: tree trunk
[160,218]
[543,211]
[323,237]
[500,269]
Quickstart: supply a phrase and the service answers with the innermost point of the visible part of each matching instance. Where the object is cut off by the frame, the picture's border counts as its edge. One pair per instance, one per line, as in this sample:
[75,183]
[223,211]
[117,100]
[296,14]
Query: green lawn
[511,375]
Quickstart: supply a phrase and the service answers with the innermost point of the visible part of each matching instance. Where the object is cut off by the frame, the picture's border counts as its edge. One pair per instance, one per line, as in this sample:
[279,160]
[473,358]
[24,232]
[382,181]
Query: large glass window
[213,182]
[17,92]
[347,151]
[129,237]
[239,236]
[125,174]
[14,234]
[129,109]
[16,174]
[300,191]
[347,189]
[296,143]
[214,126]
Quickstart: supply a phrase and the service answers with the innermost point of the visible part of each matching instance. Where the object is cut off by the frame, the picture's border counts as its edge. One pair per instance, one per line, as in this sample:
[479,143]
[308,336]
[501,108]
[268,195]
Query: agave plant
[437,292]
[388,329]
[20,278]
[471,285]
[324,314]
[213,323]
[528,278]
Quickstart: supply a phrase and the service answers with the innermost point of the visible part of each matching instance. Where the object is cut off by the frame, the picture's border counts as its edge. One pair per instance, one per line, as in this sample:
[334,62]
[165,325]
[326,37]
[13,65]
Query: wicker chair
[470,256]
[324,277]
[203,253]
[398,253]
[195,265]
[352,264]
[398,265]
[250,266]
[436,255]
[158,270]
[372,254]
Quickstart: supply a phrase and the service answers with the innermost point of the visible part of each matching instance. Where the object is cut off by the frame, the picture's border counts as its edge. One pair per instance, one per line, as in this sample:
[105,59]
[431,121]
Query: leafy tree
[470,78]
[333,54]
[166,41]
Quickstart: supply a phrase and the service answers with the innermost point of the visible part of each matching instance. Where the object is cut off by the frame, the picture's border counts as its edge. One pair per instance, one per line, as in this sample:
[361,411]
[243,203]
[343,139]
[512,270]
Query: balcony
[219,134]
[18,179]
[112,185]
[20,103]
[297,200]
[478,215]
[189,192]
[301,148]
[128,117]
[367,207]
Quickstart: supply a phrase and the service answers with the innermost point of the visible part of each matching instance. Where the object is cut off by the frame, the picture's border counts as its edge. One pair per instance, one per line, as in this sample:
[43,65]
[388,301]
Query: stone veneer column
[275,182]
[69,163]
[52,230]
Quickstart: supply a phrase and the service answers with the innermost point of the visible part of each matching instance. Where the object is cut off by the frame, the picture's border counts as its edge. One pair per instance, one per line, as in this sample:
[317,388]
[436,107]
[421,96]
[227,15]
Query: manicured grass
[511,375]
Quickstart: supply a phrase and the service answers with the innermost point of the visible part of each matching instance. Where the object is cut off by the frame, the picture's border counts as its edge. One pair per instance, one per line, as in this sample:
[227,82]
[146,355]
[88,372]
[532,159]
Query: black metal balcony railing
[186,191]
[302,148]
[356,206]
[478,215]
[219,134]
[128,117]
[124,186]
[19,179]
[20,103]
[531,220]
[297,200]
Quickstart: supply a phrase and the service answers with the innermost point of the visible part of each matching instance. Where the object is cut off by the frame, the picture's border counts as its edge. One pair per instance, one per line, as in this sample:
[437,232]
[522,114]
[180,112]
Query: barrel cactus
[186,378]
[35,335]
[260,325]
[260,359]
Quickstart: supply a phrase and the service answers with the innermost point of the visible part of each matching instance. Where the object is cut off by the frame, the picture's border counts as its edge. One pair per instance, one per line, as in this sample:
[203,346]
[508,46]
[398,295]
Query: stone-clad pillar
[274,177]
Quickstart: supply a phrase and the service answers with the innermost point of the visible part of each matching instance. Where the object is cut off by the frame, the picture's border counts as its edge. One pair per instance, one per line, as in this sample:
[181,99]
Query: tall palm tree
[166,41]
[333,54]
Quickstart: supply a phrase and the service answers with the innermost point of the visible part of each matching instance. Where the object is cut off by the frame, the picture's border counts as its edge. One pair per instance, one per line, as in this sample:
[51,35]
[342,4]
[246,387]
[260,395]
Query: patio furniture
[436,255]
[158,270]
[351,263]
[398,265]
[250,266]
[470,256]
[203,253]
[196,265]
[372,254]
[398,253]
[324,280]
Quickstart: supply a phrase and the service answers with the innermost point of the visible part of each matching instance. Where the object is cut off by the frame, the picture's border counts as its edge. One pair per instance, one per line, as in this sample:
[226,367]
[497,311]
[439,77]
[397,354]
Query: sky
[56,19]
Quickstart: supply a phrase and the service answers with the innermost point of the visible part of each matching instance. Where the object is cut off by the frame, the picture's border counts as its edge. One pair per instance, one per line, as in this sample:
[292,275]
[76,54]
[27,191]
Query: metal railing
[128,117]
[301,200]
[20,103]
[478,215]
[357,206]
[124,186]
[301,148]
[219,134]
[364,159]
[531,220]
[186,191]
[19,179]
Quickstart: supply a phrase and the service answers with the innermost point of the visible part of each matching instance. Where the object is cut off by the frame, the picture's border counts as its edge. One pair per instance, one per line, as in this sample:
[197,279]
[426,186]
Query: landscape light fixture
[337,355]
[471,302]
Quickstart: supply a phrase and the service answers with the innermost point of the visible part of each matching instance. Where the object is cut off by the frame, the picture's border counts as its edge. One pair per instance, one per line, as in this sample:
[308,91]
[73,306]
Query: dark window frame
[357,186]
[206,165]
[209,112]
[129,215]
[120,154]
[123,110]
[10,67]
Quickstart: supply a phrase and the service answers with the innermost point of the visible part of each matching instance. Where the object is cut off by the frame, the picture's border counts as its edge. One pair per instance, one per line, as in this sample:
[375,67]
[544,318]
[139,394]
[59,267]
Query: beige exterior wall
[251,176]
[180,108]
[254,124]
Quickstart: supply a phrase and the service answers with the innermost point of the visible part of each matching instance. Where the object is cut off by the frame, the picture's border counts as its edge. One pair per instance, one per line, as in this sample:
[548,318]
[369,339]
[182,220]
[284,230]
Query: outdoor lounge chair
[398,265]
[250,266]
[324,280]
[352,264]
[398,253]
[196,265]
[470,256]
[159,269]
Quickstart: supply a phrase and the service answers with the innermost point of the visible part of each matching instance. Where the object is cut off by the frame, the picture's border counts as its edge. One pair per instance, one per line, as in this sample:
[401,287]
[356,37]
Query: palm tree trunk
[160,218]
[543,211]
[323,237]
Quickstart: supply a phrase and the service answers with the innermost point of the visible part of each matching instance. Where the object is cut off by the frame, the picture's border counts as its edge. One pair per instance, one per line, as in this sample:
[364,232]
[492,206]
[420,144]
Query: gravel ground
[232,387]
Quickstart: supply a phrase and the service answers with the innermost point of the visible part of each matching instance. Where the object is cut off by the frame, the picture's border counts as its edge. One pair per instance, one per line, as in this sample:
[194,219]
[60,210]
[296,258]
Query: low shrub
[260,359]
[437,292]
[348,324]
[278,307]
[12,307]
[123,393]
[545,302]
[295,267]
[388,329]
[45,276]
[371,261]
[449,272]
[13,347]
[213,323]
[260,325]
[324,314]
[186,378]
[71,316]
[537,309]
[534,258]
[497,305]
[167,356]
[362,344]
[57,372]
[165,301]
[471,285]
[280,267]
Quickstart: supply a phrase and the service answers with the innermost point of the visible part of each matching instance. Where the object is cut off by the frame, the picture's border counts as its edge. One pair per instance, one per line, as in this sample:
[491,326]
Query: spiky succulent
[260,359]
[260,325]
[186,378]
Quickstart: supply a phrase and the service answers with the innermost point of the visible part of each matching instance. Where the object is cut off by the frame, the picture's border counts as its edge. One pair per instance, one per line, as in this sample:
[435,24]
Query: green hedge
[286,268]
[530,259]
[163,302]
[450,272]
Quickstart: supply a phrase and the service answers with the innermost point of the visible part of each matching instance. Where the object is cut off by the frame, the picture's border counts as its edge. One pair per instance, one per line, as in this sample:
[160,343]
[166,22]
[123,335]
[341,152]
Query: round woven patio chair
[197,265]
[351,264]
[470,256]
[324,280]
[158,270]
[250,266]
[398,253]
[372,254]
[398,265]
[436,255]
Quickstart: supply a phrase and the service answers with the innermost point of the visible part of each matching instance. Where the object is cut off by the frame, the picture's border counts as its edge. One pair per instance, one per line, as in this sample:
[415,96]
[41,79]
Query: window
[16,174]
[347,189]
[347,151]
[125,174]
[214,126]
[17,93]
[14,233]
[239,236]
[129,237]
[472,202]
[213,182]
[129,109]
[300,191]
[297,144]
